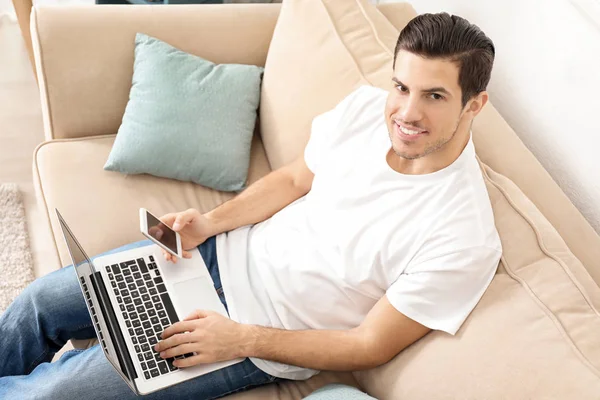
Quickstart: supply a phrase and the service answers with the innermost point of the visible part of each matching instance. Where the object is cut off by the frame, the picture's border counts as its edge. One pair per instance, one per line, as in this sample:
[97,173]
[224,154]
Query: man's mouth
[405,131]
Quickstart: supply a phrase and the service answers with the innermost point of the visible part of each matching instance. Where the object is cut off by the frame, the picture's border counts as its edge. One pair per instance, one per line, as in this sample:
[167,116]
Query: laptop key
[137,275]
[122,285]
[142,264]
[134,340]
[151,363]
[129,279]
[144,366]
[111,277]
[146,374]
[140,357]
[145,347]
[154,373]
[136,323]
[148,305]
[143,317]
[137,348]
[130,307]
[170,364]
[159,306]
[113,283]
[151,258]
[126,272]
[127,300]
[142,339]
[154,320]
[145,297]
[158,328]
[147,277]
[161,288]
[122,307]
[131,332]
[119,299]
[135,294]
[119,278]
[135,268]
[162,367]
[124,292]
[155,299]
[140,309]
[116,269]
[162,314]
[151,312]
[147,324]
[148,355]
[137,301]
[152,341]
[143,290]
[138,331]
[149,333]
[131,286]
[165,322]
[139,283]
[128,323]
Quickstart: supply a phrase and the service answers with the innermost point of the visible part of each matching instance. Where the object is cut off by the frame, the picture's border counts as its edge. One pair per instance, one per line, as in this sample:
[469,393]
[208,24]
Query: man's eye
[403,89]
[436,96]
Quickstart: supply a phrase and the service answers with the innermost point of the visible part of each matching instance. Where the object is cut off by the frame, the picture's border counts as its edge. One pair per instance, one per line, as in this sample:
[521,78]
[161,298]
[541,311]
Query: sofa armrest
[84,54]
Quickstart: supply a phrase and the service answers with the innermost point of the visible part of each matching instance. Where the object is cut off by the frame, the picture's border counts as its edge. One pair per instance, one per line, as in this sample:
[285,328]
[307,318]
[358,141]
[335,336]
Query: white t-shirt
[363,231]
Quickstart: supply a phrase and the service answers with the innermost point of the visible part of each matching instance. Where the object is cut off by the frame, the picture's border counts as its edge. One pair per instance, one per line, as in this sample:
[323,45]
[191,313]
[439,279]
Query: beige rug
[16,262]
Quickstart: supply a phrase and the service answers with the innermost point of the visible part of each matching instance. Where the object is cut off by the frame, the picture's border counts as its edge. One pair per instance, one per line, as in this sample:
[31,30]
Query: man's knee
[55,290]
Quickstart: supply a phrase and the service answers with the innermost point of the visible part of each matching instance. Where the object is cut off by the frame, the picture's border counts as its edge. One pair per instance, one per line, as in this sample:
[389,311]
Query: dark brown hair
[453,38]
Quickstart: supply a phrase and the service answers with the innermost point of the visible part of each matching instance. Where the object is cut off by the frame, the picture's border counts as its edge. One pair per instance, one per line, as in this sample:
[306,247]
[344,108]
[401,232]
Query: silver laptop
[132,296]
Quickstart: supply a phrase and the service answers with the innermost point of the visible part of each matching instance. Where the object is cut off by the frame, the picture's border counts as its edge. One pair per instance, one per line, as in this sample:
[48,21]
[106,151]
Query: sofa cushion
[534,334]
[187,118]
[102,207]
[320,52]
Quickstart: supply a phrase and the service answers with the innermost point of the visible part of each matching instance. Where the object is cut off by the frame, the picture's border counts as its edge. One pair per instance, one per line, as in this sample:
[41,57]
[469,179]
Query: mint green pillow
[187,118]
[336,391]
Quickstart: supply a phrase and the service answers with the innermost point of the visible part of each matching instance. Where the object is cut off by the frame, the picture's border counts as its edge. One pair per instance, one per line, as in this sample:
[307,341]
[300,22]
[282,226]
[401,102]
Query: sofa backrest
[85,67]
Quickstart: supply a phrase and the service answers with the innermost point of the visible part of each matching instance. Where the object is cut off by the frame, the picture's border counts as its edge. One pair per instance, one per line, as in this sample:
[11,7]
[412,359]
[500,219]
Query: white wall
[546,83]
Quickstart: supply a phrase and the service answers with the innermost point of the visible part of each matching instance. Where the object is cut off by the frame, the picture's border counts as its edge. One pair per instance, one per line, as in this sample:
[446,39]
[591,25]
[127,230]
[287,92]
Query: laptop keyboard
[147,309]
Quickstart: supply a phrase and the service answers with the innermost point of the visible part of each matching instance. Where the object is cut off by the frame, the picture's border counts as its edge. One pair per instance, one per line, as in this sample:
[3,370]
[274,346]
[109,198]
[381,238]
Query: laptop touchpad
[196,294]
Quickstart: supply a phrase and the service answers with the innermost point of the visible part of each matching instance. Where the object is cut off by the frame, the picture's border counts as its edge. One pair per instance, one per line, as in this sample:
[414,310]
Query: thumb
[182,219]
[196,315]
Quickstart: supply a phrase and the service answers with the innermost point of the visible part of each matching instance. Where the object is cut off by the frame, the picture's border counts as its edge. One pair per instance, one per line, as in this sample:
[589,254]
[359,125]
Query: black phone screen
[161,232]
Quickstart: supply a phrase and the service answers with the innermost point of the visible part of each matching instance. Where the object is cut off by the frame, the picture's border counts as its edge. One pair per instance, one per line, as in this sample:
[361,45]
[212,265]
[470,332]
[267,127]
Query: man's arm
[382,335]
[263,198]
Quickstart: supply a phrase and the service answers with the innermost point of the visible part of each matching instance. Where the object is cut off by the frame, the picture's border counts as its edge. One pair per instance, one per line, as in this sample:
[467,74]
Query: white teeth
[407,131]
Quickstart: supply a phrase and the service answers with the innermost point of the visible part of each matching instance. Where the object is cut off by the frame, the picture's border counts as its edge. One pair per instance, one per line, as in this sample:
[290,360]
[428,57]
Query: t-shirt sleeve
[324,128]
[440,292]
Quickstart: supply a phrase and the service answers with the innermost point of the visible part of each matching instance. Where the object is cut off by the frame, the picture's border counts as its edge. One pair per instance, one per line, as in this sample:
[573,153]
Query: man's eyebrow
[431,90]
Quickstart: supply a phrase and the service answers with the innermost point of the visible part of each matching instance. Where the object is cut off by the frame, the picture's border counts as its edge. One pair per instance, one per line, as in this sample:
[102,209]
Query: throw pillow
[187,118]
[338,392]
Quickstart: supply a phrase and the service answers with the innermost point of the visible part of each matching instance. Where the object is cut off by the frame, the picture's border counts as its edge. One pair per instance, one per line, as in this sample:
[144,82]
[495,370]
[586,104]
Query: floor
[21,130]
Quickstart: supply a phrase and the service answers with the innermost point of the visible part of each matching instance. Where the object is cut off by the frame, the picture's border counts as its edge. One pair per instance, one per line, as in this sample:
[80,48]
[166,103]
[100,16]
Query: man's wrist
[214,224]
[248,340]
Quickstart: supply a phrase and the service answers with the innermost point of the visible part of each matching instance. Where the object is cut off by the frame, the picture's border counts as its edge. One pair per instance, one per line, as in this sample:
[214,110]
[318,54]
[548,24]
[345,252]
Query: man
[381,231]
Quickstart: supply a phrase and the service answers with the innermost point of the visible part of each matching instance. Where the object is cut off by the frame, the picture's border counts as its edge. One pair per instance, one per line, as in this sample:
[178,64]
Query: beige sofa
[536,332]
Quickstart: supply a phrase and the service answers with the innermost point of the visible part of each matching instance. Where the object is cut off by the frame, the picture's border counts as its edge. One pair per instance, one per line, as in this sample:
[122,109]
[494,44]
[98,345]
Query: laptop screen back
[87,274]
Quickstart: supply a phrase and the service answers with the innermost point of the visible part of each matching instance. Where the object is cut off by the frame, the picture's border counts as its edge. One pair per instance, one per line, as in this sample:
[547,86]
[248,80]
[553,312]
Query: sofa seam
[547,252]
[560,327]
[337,34]
[370,22]
[43,195]
[46,90]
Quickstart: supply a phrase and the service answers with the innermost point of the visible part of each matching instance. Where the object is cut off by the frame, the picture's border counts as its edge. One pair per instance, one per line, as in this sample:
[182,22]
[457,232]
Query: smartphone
[161,234]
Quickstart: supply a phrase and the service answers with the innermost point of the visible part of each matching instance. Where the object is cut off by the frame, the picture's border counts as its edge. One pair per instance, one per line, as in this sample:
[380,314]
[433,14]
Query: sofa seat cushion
[101,207]
[533,335]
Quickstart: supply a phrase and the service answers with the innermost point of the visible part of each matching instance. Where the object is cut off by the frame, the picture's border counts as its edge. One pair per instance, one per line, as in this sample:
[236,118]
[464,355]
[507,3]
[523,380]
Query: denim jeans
[52,310]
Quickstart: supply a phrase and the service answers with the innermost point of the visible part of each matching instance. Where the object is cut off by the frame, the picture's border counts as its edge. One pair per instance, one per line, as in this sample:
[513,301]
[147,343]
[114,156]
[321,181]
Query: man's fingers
[178,350]
[184,218]
[178,327]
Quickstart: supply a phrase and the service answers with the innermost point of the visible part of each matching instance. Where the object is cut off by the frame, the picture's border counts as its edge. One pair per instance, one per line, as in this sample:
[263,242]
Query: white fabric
[428,242]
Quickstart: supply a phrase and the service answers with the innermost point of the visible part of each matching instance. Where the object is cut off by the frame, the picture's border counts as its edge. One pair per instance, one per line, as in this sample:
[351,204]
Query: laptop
[132,297]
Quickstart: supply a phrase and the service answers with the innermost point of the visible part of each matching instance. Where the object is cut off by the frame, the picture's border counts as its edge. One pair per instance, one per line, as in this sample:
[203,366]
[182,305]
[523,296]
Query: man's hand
[193,227]
[210,335]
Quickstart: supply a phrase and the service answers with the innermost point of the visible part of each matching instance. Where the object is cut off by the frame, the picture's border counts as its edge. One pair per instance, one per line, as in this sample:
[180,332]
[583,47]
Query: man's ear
[477,103]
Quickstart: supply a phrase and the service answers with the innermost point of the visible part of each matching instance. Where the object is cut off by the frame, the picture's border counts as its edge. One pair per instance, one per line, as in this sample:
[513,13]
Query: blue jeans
[52,310]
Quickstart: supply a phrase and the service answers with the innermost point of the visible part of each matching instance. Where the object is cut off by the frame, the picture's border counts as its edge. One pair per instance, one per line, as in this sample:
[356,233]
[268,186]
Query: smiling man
[381,231]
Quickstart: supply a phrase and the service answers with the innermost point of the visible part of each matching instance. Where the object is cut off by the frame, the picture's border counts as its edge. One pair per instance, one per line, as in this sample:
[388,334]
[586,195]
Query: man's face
[425,99]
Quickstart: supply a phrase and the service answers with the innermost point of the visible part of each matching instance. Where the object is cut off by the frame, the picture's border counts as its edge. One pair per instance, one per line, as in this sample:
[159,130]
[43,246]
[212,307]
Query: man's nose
[411,111]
